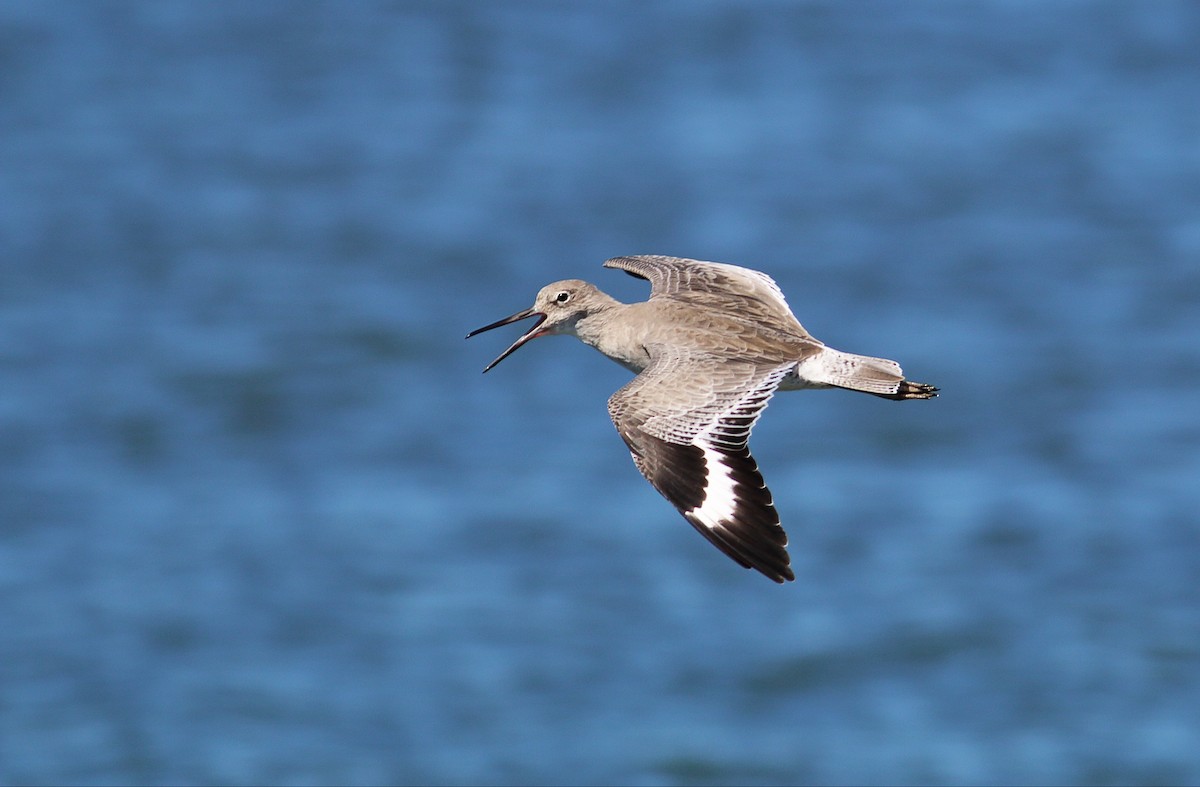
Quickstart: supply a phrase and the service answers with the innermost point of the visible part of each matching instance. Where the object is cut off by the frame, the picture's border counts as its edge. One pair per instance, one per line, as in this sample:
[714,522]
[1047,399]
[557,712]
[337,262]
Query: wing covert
[712,284]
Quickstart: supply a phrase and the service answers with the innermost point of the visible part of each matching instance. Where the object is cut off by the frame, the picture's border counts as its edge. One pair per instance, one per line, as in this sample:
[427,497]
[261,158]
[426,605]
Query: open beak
[531,333]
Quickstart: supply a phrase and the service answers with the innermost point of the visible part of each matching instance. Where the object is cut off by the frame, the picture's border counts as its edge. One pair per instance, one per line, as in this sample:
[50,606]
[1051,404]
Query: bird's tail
[876,376]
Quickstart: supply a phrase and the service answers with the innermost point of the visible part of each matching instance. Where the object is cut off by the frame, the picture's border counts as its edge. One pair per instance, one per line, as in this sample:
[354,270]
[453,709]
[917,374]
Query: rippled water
[262,520]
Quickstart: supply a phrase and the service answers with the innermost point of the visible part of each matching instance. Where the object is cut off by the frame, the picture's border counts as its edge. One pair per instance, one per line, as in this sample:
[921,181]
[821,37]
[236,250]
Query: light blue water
[262,519]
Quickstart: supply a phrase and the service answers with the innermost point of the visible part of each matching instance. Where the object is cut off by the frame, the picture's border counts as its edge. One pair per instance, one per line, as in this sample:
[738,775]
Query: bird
[709,349]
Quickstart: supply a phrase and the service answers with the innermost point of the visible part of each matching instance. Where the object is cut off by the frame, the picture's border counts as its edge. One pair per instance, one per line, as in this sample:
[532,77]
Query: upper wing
[687,421]
[716,284]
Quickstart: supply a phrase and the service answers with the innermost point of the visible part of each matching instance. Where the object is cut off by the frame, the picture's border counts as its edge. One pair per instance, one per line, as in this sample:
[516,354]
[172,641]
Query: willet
[710,347]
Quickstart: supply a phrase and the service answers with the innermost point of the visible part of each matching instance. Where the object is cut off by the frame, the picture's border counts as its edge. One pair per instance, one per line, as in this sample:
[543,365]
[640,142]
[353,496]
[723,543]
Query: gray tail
[876,376]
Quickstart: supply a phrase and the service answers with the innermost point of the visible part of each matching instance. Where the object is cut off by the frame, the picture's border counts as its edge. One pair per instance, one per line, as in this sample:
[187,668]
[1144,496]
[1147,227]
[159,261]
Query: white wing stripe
[720,492]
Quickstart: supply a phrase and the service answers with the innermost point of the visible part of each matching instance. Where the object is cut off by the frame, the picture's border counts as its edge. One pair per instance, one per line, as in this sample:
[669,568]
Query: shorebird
[710,347]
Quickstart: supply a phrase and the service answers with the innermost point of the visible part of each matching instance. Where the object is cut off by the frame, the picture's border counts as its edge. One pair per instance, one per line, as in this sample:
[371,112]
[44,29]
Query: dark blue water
[263,521]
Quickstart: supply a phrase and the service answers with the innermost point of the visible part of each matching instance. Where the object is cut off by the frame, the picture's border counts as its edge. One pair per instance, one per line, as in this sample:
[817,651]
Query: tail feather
[878,376]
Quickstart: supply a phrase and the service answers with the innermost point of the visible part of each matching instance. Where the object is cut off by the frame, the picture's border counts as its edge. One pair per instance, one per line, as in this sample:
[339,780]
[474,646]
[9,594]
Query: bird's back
[716,328]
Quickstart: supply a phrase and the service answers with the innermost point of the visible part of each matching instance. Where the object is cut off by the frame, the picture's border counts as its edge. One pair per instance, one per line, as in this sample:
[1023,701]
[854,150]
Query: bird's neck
[610,331]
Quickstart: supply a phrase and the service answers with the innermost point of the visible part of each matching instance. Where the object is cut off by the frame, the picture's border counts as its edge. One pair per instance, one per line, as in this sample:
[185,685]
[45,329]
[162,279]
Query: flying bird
[710,347]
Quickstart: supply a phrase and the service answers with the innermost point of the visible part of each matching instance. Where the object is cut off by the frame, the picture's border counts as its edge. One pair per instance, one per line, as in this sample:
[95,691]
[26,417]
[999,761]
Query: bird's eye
[562,297]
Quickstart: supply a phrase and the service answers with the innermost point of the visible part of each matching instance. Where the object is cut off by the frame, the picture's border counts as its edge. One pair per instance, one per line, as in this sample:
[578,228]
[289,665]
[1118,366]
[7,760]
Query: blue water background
[263,521]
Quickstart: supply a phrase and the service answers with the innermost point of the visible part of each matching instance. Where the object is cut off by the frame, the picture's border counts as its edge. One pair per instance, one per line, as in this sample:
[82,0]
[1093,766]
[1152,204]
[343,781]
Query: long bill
[531,333]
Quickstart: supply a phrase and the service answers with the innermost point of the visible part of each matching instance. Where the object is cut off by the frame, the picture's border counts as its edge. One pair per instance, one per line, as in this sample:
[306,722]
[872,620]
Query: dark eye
[562,297]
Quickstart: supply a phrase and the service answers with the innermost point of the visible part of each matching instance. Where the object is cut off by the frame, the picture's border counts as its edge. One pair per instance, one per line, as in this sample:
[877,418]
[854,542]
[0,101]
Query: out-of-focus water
[262,520]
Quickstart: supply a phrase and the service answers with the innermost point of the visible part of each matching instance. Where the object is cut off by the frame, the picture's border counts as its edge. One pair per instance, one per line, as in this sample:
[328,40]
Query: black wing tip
[777,574]
[774,571]
[749,550]
[752,535]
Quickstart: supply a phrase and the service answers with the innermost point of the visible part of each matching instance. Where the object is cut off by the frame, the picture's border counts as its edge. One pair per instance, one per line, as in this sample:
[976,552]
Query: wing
[687,422]
[713,284]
